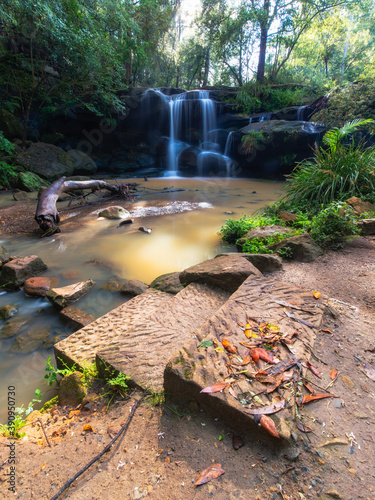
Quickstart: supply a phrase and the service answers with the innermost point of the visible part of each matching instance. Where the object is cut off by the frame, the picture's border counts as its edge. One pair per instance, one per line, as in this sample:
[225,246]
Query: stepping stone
[195,367]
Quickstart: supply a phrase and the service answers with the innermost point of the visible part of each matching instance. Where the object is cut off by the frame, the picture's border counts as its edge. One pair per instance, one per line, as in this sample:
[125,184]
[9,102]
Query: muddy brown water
[193,211]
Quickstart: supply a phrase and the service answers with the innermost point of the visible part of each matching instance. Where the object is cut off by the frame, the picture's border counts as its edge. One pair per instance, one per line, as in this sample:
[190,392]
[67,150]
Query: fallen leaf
[205,343]
[268,424]
[218,387]
[255,356]
[369,371]
[73,413]
[219,349]
[229,346]
[316,295]
[261,353]
[248,330]
[279,368]
[237,442]
[212,472]
[326,331]
[333,374]
[309,387]
[303,428]
[276,384]
[314,397]
[267,410]
[88,428]
[315,371]
[333,442]
[246,360]
[232,393]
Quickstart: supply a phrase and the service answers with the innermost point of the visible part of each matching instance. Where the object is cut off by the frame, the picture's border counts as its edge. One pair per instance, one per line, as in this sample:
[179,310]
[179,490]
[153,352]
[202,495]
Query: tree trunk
[263,41]
[46,213]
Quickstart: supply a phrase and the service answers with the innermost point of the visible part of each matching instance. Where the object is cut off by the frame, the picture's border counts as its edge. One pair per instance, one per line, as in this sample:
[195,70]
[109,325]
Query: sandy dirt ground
[167,446]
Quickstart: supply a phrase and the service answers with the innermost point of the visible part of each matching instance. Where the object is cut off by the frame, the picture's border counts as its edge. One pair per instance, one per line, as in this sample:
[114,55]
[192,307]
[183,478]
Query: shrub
[232,230]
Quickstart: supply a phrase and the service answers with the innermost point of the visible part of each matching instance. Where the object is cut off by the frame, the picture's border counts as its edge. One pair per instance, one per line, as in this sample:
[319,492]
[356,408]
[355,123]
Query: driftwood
[46,213]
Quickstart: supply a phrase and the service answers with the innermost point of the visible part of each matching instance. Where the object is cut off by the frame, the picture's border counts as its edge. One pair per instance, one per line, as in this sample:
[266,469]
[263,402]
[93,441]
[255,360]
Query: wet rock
[13,327]
[303,247]
[82,163]
[46,160]
[17,271]
[4,256]
[133,287]
[169,283]
[8,311]
[39,286]
[67,295]
[227,273]
[28,181]
[261,233]
[114,212]
[72,390]
[20,196]
[266,263]
[144,230]
[29,341]
[360,206]
[112,286]
[75,317]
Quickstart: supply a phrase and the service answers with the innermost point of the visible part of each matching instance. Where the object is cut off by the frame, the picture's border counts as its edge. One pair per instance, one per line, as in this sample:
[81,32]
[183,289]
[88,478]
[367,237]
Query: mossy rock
[28,181]
[72,389]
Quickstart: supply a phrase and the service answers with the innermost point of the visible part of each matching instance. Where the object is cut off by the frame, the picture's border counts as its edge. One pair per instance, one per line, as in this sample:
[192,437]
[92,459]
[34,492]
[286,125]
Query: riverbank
[166,446]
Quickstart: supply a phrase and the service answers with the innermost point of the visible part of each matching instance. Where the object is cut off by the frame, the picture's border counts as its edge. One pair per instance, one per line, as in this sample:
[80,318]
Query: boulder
[114,212]
[20,196]
[227,273]
[4,256]
[72,390]
[113,286]
[13,327]
[360,206]
[133,287]
[82,163]
[30,340]
[75,317]
[367,226]
[287,216]
[169,283]
[303,247]
[17,271]
[266,263]
[10,125]
[262,232]
[67,295]
[8,311]
[46,160]
[39,286]
[28,181]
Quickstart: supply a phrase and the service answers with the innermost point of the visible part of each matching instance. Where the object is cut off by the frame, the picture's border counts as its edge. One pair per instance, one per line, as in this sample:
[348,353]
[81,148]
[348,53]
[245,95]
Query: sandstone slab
[360,206]
[67,295]
[17,271]
[75,317]
[196,366]
[265,262]
[227,273]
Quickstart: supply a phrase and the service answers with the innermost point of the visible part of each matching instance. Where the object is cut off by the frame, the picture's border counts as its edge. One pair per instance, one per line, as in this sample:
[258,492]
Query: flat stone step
[195,367]
[81,347]
[144,351]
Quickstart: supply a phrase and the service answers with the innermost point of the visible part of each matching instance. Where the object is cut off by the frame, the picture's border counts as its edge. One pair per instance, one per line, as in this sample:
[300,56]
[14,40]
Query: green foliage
[336,173]
[286,253]
[261,245]
[118,384]
[252,141]
[332,224]
[8,175]
[6,147]
[13,429]
[232,230]
[89,372]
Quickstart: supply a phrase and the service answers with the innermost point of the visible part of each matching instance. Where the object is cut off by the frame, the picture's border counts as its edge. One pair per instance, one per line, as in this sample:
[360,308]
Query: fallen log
[46,214]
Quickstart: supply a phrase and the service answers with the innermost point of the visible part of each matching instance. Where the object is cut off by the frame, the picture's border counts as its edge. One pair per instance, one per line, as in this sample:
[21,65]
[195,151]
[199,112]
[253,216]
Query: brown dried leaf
[232,393]
[315,371]
[314,397]
[246,360]
[326,331]
[268,424]
[267,410]
[309,387]
[212,472]
[276,384]
[279,368]
[303,428]
[333,374]
[218,387]
[229,346]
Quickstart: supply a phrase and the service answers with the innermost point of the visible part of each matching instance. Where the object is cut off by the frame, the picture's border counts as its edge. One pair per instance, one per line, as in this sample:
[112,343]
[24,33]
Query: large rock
[46,160]
[262,233]
[67,295]
[75,317]
[303,248]
[360,206]
[82,163]
[227,273]
[10,125]
[17,271]
[31,340]
[72,389]
[169,283]
[39,286]
[367,226]
[266,263]
[133,287]
[114,212]
[28,181]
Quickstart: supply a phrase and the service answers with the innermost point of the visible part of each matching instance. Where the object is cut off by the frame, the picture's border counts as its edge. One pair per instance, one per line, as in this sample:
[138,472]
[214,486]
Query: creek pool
[101,250]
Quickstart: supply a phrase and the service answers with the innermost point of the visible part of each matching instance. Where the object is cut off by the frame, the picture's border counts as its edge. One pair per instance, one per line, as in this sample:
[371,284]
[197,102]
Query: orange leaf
[212,472]
[219,386]
[326,330]
[333,374]
[314,397]
[309,387]
[265,355]
[255,355]
[246,360]
[315,371]
[88,428]
[248,330]
[316,295]
[268,424]
[229,346]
